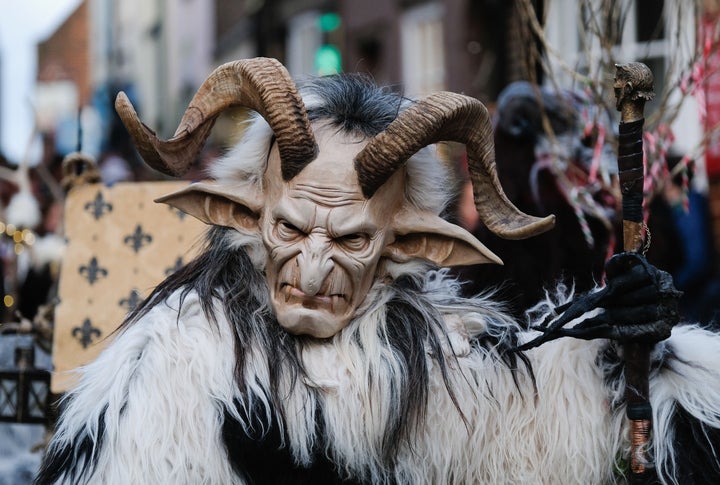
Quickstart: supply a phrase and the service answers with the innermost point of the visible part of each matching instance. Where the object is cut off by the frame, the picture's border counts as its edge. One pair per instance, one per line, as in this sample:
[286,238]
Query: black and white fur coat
[202,386]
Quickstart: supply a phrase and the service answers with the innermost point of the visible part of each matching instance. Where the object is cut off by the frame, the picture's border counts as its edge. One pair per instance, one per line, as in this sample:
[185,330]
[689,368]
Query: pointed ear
[218,205]
[427,236]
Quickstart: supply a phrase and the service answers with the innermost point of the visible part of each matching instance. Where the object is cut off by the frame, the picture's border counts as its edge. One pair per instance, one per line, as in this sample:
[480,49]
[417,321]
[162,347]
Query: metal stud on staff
[633,87]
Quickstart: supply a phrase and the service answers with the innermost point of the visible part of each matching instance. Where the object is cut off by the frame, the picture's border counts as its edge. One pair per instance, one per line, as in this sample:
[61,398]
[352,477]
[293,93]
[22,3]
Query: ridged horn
[261,84]
[446,116]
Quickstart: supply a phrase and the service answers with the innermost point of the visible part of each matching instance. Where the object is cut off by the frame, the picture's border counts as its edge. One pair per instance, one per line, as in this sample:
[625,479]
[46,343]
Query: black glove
[639,303]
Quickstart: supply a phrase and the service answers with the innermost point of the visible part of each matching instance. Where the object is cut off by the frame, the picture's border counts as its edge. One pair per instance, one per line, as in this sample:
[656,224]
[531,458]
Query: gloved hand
[639,304]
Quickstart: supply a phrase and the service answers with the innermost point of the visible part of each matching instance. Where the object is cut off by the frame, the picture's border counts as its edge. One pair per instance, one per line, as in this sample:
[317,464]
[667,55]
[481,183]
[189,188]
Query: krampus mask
[331,208]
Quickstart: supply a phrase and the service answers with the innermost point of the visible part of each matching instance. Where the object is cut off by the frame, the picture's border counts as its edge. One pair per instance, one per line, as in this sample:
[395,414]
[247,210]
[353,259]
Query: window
[423,58]
[659,33]
[303,41]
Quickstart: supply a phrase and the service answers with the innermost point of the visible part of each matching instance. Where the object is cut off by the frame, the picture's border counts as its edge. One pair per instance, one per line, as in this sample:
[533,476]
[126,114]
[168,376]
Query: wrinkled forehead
[330,179]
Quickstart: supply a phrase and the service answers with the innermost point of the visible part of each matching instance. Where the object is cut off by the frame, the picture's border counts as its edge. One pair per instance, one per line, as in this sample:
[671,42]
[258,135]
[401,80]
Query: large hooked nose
[314,264]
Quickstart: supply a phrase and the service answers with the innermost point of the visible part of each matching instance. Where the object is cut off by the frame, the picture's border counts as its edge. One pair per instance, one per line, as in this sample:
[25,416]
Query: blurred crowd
[31,218]
[554,157]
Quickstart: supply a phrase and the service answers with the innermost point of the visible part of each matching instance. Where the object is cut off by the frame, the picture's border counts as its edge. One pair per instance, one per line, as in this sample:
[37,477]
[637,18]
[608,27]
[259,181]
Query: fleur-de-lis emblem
[177,266]
[138,239]
[132,301]
[84,334]
[93,271]
[98,207]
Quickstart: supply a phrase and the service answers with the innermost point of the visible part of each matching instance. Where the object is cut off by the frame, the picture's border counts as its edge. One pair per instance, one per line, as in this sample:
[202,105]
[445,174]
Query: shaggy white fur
[165,382]
[690,381]
[152,408]
[160,388]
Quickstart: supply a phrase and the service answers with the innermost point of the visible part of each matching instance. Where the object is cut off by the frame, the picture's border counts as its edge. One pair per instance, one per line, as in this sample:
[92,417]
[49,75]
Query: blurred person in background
[544,176]
[693,264]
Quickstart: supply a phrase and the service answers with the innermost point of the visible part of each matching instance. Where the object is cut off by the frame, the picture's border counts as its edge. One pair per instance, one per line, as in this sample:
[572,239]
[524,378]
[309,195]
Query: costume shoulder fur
[423,387]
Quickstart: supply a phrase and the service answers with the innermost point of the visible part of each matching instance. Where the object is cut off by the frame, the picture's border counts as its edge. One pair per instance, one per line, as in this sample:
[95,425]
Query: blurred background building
[159,51]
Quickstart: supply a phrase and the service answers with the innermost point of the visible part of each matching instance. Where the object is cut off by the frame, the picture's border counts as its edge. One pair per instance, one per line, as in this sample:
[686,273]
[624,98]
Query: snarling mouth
[293,295]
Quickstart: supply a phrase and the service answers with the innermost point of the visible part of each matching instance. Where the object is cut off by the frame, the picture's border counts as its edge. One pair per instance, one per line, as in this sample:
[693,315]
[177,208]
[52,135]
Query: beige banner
[121,244]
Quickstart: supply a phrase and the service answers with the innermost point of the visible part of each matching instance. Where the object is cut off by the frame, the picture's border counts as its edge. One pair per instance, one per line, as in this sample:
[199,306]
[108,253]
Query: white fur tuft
[691,380]
[160,388]
[23,211]
[428,181]
[165,382]
[245,162]
[47,249]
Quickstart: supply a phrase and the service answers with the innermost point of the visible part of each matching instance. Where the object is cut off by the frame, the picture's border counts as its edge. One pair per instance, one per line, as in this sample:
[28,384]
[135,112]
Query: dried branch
[600,26]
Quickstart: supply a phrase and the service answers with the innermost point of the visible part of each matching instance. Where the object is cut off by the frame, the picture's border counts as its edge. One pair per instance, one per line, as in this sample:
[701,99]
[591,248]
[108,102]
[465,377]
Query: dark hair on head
[352,102]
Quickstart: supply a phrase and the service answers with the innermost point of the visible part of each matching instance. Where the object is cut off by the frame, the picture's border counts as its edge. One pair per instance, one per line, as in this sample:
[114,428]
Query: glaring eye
[354,242]
[287,231]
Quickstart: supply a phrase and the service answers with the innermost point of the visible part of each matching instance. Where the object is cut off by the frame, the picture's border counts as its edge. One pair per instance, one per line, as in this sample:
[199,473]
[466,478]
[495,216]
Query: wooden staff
[633,87]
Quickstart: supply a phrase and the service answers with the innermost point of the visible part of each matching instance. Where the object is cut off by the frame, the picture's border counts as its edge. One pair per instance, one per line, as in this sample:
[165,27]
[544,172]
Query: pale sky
[23,24]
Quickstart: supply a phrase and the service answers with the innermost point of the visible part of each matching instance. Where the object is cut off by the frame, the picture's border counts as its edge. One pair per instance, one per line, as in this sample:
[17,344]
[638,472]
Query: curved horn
[261,84]
[446,116]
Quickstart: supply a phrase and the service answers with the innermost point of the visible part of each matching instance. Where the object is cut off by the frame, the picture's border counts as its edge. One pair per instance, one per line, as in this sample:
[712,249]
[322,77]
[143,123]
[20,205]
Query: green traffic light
[328,22]
[328,60]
